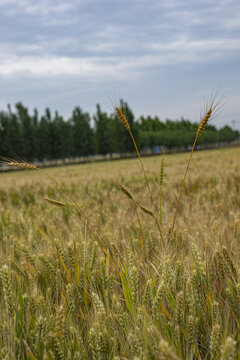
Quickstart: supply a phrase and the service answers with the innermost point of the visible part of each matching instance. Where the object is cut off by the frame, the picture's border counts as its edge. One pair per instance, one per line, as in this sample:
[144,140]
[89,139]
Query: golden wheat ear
[123,118]
[23,165]
[18,162]
[211,109]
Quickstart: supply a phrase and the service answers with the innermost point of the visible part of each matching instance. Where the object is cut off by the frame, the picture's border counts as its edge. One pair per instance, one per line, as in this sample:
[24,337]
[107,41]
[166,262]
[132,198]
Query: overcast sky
[162,57]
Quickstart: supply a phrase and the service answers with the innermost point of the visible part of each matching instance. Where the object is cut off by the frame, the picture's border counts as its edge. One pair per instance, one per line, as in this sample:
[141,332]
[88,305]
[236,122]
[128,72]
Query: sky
[163,57]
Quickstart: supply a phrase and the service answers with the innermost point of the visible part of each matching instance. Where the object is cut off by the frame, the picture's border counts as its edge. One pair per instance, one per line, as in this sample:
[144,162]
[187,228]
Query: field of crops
[93,272]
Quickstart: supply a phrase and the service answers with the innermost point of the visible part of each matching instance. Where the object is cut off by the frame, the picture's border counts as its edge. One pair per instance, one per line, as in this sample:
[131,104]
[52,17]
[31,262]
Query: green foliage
[51,137]
[82,138]
[103,132]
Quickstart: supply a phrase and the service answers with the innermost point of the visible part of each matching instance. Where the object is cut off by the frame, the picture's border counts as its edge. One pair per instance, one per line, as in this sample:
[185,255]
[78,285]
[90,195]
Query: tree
[104,132]
[27,137]
[82,138]
[61,135]
[27,132]
[45,136]
[10,141]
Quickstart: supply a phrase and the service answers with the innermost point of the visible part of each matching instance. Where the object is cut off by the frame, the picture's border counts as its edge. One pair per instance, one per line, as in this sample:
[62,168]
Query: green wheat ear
[55,202]
[125,191]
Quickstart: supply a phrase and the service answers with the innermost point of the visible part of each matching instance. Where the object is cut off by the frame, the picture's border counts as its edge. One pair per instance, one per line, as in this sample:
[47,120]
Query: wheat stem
[203,123]
[160,189]
[141,232]
[149,189]
[182,186]
[125,123]
[159,229]
[135,145]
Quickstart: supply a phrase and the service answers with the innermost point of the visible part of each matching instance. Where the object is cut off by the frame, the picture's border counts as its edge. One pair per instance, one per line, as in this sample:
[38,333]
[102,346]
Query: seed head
[210,110]
[54,202]
[23,165]
[122,118]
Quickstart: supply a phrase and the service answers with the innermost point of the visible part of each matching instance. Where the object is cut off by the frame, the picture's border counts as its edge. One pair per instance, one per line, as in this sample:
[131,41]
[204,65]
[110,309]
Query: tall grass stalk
[161,175]
[125,123]
[209,114]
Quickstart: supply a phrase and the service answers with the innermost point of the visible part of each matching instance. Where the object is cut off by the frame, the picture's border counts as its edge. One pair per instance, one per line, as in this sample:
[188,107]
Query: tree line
[50,136]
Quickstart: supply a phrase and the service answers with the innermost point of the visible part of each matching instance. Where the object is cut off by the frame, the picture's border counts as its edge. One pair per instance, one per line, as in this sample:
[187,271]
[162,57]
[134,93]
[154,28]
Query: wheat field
[98,281]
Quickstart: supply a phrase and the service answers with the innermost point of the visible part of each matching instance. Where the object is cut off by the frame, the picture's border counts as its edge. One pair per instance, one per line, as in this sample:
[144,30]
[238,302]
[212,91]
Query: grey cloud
[118,42]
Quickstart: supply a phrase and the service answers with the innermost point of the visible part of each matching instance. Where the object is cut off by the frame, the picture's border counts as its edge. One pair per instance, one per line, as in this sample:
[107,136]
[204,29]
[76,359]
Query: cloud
[193,48]
[91,68]
[120,41]
[44,7]
[103,58]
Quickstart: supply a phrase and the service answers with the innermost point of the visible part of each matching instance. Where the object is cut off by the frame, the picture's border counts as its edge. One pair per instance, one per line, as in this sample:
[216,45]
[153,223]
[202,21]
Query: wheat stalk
[127,193]
[160,188]
[125,123]
[210,111]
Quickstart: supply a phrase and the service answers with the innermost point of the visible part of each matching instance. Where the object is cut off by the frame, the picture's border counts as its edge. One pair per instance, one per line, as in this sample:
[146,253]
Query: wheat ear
[23,165]
[55,202]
